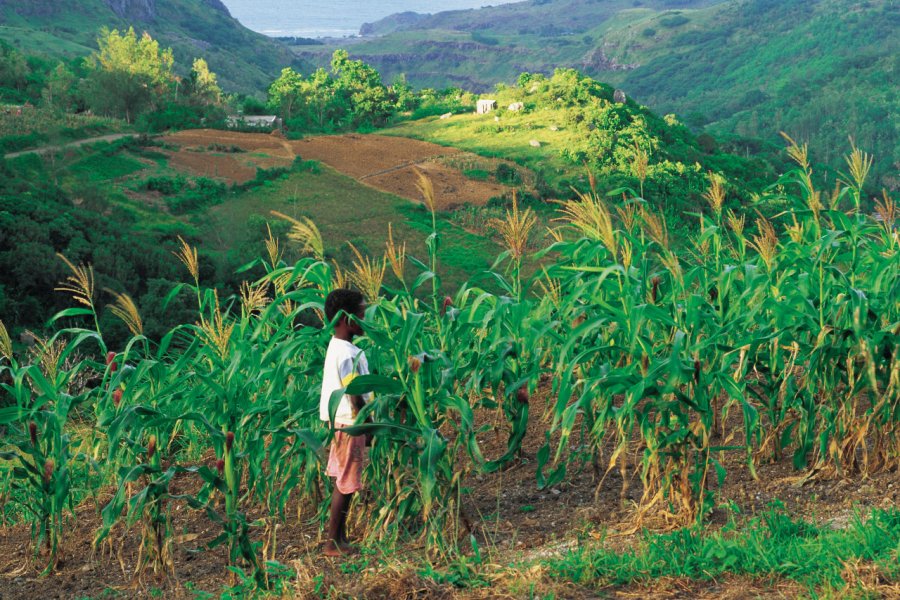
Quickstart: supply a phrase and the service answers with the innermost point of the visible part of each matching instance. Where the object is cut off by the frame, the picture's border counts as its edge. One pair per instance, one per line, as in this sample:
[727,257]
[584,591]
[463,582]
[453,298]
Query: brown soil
[513,521]
[273,145]
[216,166]
[390,164]
[386,163]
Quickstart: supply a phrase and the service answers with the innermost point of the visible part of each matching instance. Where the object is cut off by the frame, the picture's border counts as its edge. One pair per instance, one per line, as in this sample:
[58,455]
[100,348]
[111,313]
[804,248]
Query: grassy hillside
[569,124]
[121,206]
[820,70]
[244,60]
[475,49]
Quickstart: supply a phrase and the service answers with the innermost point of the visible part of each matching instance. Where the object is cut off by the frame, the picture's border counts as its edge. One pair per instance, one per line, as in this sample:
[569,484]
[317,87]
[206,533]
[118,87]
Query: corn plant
[45,393]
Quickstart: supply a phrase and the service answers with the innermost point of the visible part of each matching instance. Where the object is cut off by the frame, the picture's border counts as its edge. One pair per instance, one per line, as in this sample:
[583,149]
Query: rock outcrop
[133,10]
[145,10]
[596,60]
[217,5]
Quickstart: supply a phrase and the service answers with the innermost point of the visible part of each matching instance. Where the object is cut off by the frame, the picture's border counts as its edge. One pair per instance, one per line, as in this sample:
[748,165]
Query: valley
[603,330]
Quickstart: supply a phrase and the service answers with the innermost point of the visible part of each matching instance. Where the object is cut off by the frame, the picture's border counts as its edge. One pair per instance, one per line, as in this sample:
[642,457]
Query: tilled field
[390,164]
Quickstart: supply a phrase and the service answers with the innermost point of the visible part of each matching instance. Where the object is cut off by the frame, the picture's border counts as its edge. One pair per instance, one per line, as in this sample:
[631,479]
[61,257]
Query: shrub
[507,174]
[674,21]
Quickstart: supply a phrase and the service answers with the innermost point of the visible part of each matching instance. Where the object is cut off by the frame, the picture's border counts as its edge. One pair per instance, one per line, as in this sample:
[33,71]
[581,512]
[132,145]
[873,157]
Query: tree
[285,92]
[317,93]
[403,95]
[128,74]
[57,92]
[359,86]
[13,68]
[202,84]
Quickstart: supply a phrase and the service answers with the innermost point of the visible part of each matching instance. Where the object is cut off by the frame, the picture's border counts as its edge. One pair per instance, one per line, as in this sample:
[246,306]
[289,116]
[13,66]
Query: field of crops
[776,340]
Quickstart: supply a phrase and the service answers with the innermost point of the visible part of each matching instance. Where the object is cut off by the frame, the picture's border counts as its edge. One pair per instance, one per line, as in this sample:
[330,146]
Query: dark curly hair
[348,301]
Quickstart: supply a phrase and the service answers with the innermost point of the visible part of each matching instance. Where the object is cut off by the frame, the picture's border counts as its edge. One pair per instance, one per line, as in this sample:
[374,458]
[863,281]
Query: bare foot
[347,548]
[332,550]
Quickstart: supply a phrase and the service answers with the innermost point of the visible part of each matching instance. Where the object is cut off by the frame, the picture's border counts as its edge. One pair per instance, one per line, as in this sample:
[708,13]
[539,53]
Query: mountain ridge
[245,61]
[817,69]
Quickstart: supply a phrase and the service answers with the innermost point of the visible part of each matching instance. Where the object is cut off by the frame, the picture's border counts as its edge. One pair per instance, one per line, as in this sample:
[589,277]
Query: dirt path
[390,164]
[47,149]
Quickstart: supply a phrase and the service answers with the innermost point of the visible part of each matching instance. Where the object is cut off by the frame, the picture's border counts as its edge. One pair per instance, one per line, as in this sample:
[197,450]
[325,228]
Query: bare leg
[337,523]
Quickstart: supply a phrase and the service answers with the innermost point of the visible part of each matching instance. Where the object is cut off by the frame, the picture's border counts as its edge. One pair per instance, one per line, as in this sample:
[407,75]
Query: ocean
[338,18]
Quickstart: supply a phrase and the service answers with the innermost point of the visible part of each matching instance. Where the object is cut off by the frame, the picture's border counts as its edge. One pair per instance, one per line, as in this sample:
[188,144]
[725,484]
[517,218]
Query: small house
[261,122]
[486,106]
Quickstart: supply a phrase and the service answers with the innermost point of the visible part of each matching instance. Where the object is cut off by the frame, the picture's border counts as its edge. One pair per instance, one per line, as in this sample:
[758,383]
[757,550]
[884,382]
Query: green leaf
[70,312]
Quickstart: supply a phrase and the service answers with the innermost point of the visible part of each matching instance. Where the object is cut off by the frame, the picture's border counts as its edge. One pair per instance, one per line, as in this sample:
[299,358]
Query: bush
[200,193]
[507,174]
[181,116]
[225,149]
[674,21]
[479,174]
[707,143]
[253,106]
[16,143]
[306,166]
[167,186]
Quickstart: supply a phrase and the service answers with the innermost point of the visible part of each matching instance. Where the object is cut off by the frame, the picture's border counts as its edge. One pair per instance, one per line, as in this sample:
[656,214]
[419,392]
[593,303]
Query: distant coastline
[337,19]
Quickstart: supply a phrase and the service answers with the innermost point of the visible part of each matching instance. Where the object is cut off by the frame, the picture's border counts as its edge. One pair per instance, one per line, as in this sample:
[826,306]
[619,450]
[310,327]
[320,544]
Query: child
[343,362]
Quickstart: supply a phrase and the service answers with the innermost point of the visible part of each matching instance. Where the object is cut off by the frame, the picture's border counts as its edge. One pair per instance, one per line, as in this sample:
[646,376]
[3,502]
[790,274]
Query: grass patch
[509,138]
[344,210]
[773,546]
[477,174]
[105,167]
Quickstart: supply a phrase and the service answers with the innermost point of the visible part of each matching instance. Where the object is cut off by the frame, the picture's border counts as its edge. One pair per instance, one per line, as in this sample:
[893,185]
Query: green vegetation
[775,545]
[350,96]
[570,123]
[246,61]
[129,78]
[73,211]
[817,70]
[29,127]
[662,332]
[121,206]
[783,326]
[237,227]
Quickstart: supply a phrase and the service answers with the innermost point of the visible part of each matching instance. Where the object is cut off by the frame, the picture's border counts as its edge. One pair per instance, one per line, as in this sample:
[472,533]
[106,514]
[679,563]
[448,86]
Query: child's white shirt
[343,362]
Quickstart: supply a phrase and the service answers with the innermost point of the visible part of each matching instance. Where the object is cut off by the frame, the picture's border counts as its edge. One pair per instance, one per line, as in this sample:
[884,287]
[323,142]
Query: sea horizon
[341,18]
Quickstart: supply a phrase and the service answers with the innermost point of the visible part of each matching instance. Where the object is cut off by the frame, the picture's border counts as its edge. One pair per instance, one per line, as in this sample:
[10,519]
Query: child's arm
[357,402]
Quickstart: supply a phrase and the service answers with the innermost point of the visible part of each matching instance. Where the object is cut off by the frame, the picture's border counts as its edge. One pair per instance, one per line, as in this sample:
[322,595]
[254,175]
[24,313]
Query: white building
[255,121]
[486,106]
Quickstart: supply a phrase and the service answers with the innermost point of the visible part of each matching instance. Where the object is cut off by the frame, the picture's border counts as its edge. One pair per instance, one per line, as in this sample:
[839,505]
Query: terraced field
[389,164]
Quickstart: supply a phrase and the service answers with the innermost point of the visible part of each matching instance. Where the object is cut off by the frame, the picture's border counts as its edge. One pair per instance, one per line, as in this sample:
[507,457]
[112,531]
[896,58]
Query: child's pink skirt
[345,461]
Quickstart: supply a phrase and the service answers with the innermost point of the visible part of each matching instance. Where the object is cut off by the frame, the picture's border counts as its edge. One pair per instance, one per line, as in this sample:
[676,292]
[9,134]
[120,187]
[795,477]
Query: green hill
[245,61]
[821,70]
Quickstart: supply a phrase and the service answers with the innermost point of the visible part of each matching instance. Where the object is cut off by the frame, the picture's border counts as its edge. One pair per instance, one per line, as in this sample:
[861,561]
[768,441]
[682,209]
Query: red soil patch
[215,166]
[390,163]
[363,156]
[383,162]
[273,145]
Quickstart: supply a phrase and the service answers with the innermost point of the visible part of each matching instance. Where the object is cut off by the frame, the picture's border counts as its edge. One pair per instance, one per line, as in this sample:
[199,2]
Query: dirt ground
[389,164]
[514,520]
